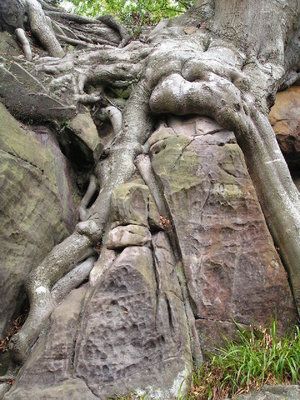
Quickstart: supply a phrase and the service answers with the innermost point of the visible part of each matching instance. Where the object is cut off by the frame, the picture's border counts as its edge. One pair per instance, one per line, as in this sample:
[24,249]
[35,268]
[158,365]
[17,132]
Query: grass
[260,356]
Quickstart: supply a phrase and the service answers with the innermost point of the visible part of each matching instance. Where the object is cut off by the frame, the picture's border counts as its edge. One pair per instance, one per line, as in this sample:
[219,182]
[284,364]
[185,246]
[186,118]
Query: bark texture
[184,189]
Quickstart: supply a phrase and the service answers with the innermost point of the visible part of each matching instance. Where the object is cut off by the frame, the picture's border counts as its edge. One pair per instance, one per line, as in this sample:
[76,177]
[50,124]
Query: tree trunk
[218,65]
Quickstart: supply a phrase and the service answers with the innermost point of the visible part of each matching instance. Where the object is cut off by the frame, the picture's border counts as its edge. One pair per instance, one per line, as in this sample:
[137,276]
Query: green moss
[177,164]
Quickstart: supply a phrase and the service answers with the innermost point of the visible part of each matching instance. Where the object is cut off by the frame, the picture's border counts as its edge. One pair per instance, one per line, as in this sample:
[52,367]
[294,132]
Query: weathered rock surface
[128,329]
[126,339]
[285,120]
[232,269]
[133,204]
[130,333]
[83,127]
[36,203]
[278,392]
[129,235]
[73,389]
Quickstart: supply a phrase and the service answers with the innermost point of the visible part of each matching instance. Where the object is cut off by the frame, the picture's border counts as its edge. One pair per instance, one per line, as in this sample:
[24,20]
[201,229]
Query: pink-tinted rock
[232,268]
[285,119]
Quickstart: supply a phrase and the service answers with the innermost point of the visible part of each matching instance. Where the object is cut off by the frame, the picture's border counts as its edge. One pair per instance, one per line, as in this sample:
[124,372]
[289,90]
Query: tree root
[62,259]
[40,27]
[21,36]
[72,280]
[91,190]
[173,82]
[78,246]
[144,166]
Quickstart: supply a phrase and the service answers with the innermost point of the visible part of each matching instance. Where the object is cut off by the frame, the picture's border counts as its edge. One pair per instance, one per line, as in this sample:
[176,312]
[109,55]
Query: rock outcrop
[278,392]
[232,268]
[165,284]
[38,205]
[285,120]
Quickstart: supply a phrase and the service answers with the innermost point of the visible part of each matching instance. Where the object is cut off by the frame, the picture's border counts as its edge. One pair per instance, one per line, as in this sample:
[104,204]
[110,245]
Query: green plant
[260,356]
[134,13]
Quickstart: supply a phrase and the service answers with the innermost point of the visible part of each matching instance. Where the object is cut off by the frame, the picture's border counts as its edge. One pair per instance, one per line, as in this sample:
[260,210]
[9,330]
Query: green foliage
[133,13]
[260,356]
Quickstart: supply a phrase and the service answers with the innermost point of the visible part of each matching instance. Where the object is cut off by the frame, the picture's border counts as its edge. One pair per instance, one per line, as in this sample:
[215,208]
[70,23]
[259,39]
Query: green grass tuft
[258,357]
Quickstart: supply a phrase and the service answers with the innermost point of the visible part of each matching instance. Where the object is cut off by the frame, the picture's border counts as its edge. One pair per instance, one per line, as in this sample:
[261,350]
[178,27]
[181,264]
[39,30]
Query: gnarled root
[112,23]
[41,29]
[278,195]
[91,190]
[21,36]
[144,167]
[61,259]
[73,279]
[114,170]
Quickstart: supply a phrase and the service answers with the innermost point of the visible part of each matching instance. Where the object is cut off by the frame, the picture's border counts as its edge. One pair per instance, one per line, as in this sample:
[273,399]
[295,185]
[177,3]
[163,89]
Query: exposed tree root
[76,247]
[40,27]
[91,190]
[62,259]
[73,279]
[21,36]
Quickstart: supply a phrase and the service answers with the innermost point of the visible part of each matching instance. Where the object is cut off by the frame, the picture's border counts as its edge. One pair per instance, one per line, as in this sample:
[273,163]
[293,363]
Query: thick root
[41,29]
[91,190]
[61,260]
[73,279]
[21,36]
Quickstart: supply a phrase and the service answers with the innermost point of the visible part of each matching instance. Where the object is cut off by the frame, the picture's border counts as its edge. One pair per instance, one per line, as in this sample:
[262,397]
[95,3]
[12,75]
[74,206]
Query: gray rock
[134,333]
[129,235]
[278,392]
[37,207]
[133,204]
[73,389]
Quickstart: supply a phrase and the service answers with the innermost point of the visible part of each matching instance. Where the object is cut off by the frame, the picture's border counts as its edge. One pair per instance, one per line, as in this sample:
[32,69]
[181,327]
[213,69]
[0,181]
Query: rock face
[127,331]
[285,120]
[162,282]
[232,269]
[37,205]
[278,392]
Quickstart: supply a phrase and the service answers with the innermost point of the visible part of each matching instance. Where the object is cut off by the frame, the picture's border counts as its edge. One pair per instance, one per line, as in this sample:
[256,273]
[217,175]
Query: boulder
[232,268]
[37,205]
[276,392]
[285,119]
[127,333]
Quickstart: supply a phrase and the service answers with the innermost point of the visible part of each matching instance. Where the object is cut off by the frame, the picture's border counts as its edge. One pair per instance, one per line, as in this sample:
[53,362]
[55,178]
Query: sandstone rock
[86,131]
[278,392]
[129,235]
[73,389]
[51,359]
[8,46]
[133,333]
[37,205]
[232,269]
[39,103]
[129,334]
[285,119]
[133,204]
